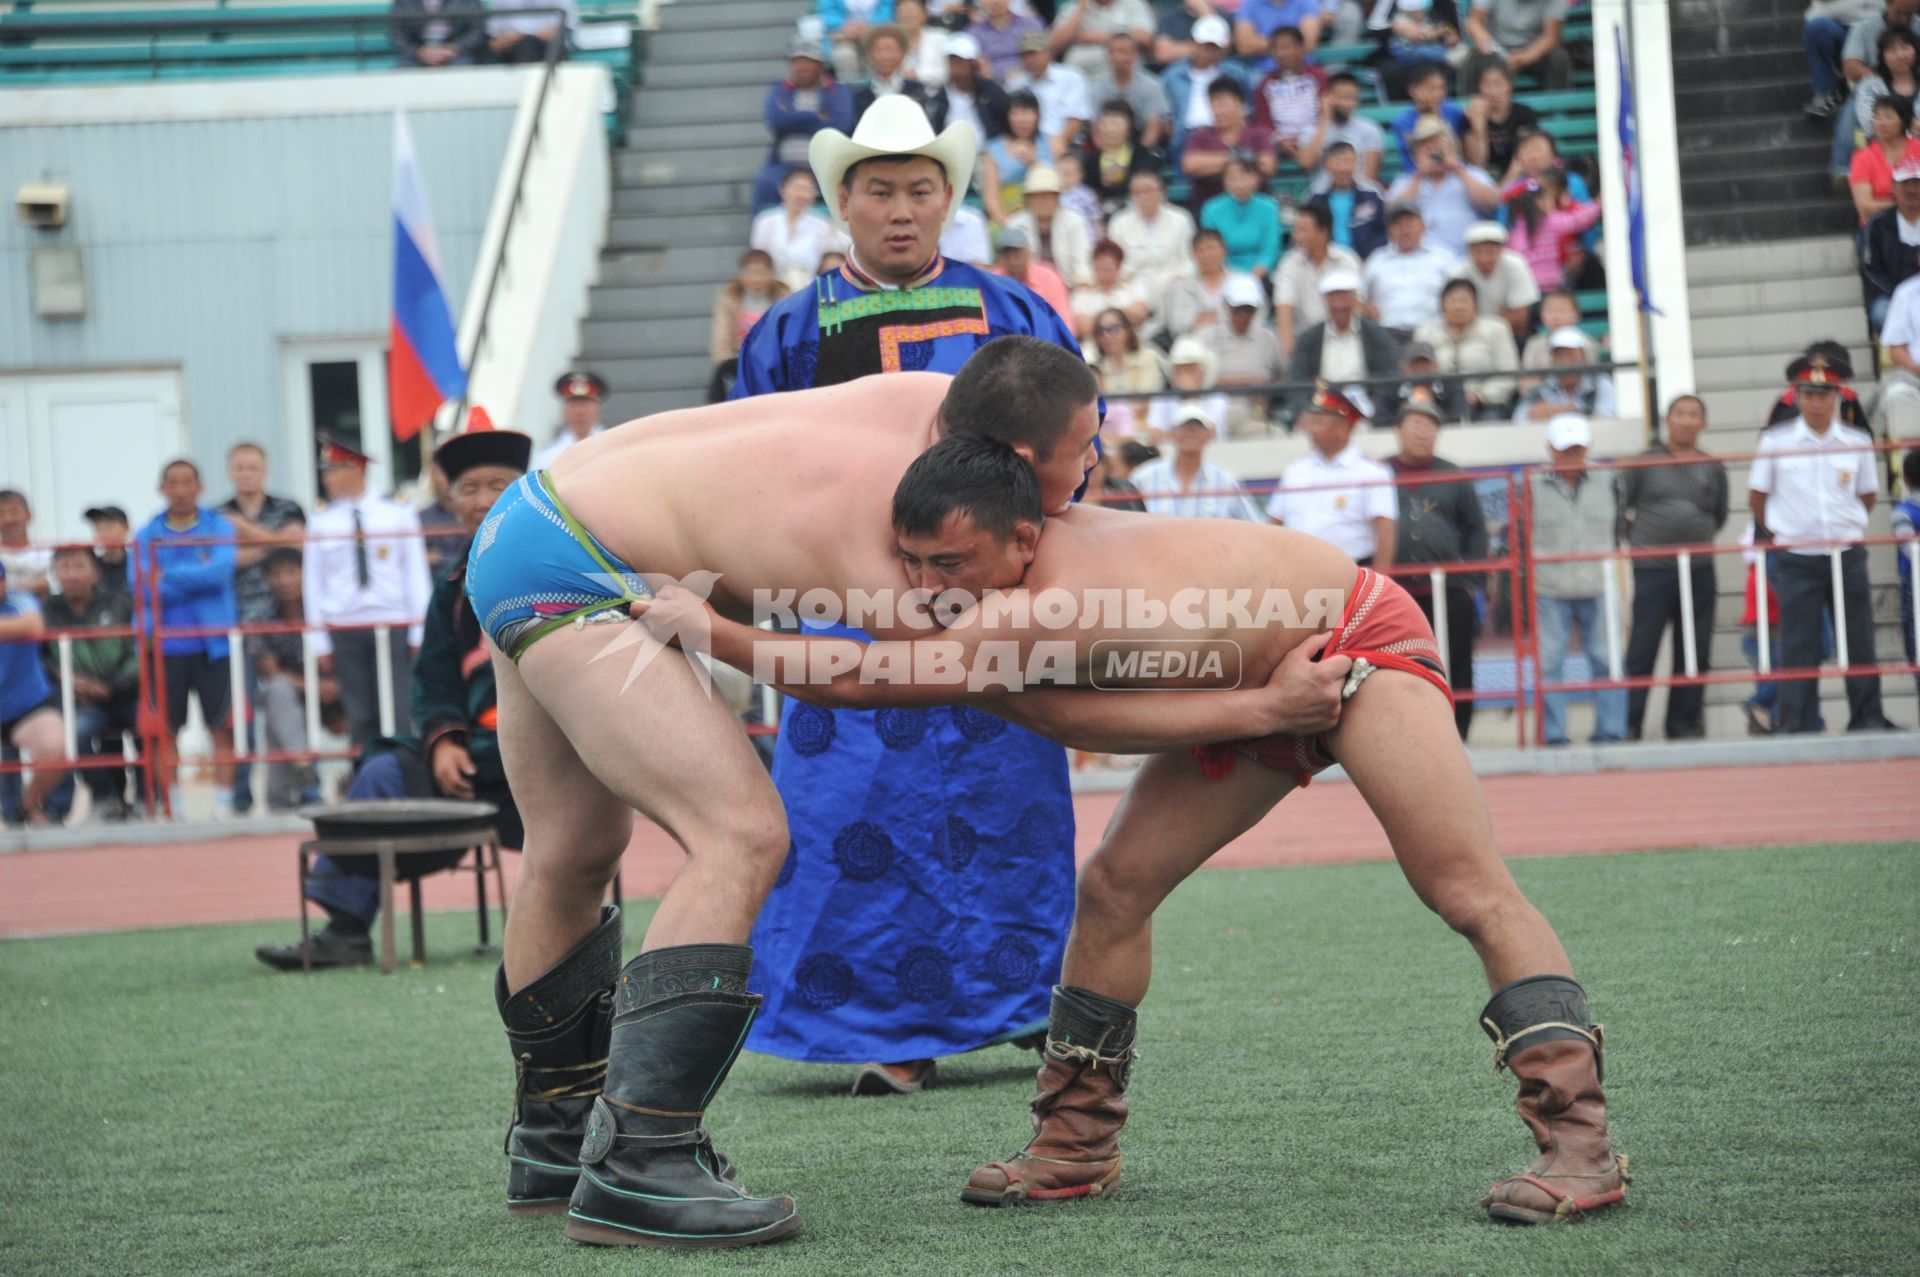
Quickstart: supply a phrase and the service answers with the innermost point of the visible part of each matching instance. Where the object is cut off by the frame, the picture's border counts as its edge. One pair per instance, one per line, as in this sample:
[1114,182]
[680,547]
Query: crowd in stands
[1214,172]
[440,33]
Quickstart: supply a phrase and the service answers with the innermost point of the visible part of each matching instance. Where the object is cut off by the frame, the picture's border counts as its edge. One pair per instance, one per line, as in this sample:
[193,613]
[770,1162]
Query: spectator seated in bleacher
[797,108]
[1287,101]
[1246,353]
[926,43]
[1157,237]
[1403,280]
[967,238]
[1535,155]
[1451,195]
[1341,121]
[1356,208]
[1545,224]
[1894,410]
[1185,484]
[514,36]
[737,307]
[1525,35]
[1823,33]
[847,24]
[1059,238]
[1004,161]
[1559,308]
[1893,75]
[455,36]
[1195,299]
[1346,346]
[106,677]
[1890,244]
[1464,340]
[1113,155]
[1427,89]
[30,719]
[1076,196]
[1109,291]
[1187,81]
[1495,121]
[1126,364]
[1248,220]
[1423,384]
[1083,28]
[1296,284]
[1255,21]
[1417,35]
[998,31]
[1190,376]
[792,234]
[886,50]
[1204,159]
[1013,258]
[1060,90]
[1124,78]
[1501,277]
[968,95]
[1587,394]
[1890,146]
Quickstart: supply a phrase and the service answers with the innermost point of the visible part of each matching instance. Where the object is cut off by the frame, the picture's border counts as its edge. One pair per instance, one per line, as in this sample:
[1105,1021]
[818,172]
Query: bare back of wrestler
[967,522]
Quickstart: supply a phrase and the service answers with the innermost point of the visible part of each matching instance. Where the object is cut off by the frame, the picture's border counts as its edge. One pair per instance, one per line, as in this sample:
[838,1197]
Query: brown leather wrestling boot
[1078,1110]
[1540,1030]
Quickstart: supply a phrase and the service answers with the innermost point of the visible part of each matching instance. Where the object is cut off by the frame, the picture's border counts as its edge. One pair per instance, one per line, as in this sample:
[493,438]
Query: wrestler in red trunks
[1382,627]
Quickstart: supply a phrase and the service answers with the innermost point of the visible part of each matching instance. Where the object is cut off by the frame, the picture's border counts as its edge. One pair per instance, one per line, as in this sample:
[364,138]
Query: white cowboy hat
[1191,350]
[893,125]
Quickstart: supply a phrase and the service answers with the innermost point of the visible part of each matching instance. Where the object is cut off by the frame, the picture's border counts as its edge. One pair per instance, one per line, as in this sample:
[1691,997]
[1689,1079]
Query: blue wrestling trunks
[533,569]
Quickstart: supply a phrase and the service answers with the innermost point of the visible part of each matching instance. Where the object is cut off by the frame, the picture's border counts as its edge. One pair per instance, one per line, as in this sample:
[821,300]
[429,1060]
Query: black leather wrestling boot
[557,1028]
[648,1173]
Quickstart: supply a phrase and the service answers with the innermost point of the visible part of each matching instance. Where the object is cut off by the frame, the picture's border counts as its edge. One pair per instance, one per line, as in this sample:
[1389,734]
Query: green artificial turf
[1313,1096]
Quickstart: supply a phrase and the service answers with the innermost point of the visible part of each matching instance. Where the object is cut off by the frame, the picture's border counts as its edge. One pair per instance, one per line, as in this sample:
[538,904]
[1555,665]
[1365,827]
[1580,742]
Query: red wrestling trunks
[1383,627]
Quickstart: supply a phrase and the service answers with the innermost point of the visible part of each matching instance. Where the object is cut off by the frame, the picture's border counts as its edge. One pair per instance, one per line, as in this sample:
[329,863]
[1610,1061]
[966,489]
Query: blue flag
[1630,176]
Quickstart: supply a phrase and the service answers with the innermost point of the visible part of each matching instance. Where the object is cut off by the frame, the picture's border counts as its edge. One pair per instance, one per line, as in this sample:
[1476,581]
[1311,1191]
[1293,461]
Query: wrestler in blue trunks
[534,568]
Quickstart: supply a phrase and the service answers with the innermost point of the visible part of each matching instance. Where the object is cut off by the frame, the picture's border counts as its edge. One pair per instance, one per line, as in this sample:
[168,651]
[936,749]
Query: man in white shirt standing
[365,565]
[1060,90]
[1336,492]
[1815,481]
[581,393]
[1403,280]
[1500,276]
[1185,484]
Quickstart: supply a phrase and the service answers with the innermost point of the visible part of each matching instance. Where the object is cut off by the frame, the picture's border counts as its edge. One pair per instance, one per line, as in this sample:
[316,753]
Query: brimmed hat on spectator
[1420,404]
[1339,281]
[1403,208]
[1569,430]
[1191,350]
[1568,339]
[335,455]
[1192,411]
[1907,171]
[801,47]
[894,125]
[1486,233]
[1242,290]
[1213,30]
[1418,350]
[580,384]
[1836,365]
[94,514]
[1033,41]
[1818,374]
[1041,180]
[1012,237]
[963,46]
[1429,126]
[1331,400]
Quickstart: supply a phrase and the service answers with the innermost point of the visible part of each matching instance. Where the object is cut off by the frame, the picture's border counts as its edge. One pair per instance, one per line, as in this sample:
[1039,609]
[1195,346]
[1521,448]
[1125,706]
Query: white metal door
[75,440]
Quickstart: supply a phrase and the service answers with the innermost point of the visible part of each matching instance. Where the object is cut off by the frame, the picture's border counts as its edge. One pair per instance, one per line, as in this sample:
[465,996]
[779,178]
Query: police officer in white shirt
[1814,480]
[366,564]
[1336,492]
[582,393]
[1185,484]
[1402,282]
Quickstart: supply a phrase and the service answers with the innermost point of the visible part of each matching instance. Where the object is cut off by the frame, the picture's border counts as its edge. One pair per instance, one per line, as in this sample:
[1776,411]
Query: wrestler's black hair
[1017,390]
[982,478]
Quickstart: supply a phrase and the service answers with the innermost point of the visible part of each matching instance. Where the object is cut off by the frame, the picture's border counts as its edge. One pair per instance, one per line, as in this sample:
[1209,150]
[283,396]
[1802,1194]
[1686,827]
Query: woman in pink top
[1542,218]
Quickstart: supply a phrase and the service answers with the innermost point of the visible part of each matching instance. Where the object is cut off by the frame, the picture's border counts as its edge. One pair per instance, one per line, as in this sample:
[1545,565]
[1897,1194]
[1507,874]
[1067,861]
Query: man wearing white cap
[1890,243]
[1296,285]
[898,305]
[969,96]
[1248,354]
[1058,236]
[1336,492]
[1574,512]
[1188,80]
[1500,276]
[1186,484]
[1192,369]
[1584,393]
[1346,346]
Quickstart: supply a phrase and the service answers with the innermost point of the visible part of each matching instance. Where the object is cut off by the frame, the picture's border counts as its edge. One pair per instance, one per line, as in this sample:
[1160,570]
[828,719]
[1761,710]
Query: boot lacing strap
[1594,1034]
[1090,1056]
[586,1087]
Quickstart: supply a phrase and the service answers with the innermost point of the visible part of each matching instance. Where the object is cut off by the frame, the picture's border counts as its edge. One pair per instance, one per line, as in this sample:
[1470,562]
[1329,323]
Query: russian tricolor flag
[423,368]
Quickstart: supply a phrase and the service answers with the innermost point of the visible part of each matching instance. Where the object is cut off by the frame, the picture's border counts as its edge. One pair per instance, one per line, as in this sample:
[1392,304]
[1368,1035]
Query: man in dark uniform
[455,710]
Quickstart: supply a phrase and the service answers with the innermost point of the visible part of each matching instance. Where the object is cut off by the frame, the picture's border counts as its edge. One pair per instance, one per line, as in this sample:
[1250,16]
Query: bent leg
[42,735]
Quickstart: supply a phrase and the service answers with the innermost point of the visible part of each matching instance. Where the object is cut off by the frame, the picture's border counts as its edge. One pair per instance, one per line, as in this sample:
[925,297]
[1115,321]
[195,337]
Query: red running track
[251,879]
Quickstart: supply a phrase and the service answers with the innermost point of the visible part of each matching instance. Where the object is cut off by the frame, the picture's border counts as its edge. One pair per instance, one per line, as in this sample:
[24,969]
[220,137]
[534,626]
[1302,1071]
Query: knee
[1109,894]
[1474,909]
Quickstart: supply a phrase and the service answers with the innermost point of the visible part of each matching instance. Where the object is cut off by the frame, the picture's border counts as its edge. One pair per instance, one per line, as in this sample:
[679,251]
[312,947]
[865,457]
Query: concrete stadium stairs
[681,198]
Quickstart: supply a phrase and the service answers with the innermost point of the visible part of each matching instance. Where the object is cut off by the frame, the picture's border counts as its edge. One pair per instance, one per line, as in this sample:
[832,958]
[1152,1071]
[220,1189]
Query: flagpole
[1649,399]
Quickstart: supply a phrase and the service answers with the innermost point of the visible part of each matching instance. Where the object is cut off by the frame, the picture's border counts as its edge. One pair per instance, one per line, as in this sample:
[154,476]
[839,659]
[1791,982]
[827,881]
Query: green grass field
[1313,1097]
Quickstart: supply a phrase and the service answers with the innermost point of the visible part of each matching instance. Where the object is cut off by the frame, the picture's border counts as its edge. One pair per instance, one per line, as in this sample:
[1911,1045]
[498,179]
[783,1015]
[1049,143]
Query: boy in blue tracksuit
[186,552]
